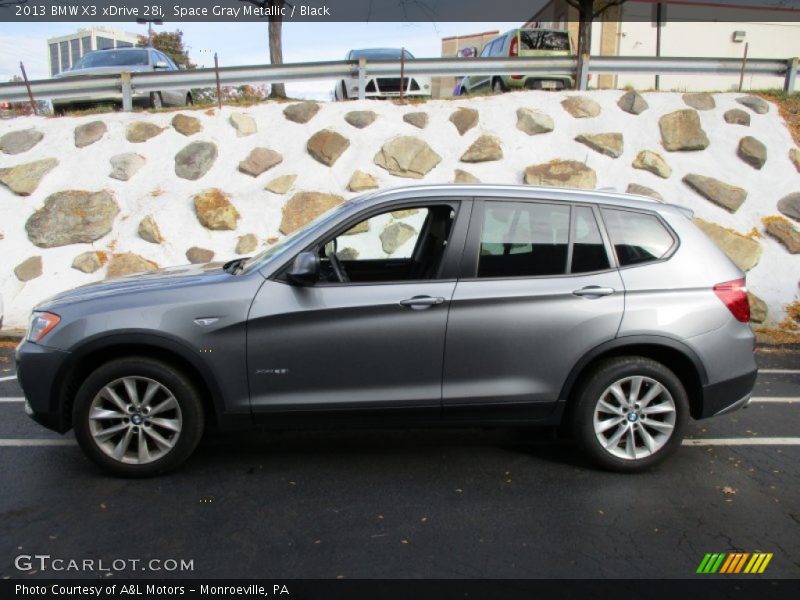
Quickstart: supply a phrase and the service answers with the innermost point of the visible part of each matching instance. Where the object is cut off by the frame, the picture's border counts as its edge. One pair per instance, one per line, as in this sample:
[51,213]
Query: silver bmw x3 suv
[495,305]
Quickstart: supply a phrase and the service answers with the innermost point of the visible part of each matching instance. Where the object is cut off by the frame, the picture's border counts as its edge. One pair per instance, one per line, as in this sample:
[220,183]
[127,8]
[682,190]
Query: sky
[246,43]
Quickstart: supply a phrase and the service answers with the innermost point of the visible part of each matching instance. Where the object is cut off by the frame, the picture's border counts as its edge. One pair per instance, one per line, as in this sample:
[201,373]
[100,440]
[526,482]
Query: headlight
[41,324]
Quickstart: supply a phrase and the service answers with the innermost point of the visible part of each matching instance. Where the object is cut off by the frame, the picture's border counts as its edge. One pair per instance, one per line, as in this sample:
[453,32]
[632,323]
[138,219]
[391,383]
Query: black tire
[189,100]
[498,87]
[188,400]
[589,394]
[156,101]
[344,91]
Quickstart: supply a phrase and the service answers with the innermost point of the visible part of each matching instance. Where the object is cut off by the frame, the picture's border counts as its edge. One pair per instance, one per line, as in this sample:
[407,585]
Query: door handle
[421,302]
[593,291]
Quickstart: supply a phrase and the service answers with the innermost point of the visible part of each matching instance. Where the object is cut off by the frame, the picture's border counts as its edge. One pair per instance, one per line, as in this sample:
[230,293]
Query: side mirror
[161,64]
[305,269]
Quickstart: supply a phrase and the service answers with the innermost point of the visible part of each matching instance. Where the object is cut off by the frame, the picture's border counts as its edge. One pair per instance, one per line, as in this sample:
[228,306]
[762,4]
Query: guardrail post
[583,72]
[362,78]
[127,92]
[791,75]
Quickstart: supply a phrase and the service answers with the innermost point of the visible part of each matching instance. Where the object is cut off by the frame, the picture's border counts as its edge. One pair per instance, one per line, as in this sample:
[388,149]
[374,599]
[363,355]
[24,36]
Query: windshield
[112,58]
[380,54]
[259,260]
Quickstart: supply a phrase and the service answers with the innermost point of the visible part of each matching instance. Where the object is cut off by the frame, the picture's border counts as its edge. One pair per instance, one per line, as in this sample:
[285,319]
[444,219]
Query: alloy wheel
[634,417]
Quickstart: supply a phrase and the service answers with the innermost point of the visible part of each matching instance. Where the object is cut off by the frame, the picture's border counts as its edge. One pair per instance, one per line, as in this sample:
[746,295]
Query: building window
[75,48]
[64,48]
[104,43]
[54,70]
[121,44]
[86,45]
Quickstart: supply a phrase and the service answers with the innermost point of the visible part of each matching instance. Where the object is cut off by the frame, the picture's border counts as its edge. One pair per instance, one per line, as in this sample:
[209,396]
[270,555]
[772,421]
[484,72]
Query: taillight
[516,76]
[514,49]
[734,295]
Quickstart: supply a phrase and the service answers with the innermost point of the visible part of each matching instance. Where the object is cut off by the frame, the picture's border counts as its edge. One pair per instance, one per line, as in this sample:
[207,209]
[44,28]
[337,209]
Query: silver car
[505,305]
[114,62]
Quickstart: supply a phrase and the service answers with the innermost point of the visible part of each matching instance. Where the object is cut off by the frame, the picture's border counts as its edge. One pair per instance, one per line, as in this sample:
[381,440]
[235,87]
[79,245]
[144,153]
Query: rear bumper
[726,396]
[37,372]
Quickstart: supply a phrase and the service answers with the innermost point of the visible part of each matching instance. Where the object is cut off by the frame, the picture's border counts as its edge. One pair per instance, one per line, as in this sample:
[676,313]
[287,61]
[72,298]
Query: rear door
[483,80]
[538,290]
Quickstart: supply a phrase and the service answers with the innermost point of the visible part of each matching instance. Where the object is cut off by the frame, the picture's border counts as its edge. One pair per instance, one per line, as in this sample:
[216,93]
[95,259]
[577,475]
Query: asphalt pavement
[468,503]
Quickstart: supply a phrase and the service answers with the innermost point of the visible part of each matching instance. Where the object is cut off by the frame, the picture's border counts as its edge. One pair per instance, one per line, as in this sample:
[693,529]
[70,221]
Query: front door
[535,298]
[370,333]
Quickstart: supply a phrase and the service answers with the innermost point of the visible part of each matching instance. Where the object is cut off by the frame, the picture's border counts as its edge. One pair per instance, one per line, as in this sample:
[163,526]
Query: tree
[275,8]
[588,11]
[171,44]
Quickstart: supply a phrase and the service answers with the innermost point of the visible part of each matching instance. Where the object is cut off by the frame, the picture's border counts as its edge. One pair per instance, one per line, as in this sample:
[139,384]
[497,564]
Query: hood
[161,279]
[97,71]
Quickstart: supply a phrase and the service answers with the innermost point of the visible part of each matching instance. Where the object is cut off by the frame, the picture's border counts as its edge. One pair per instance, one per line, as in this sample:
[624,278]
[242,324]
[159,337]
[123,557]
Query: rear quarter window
[638,238]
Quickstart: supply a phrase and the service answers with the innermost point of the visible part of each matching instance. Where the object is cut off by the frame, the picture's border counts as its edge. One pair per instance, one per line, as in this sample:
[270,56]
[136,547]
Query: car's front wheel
[137,417]
[156,101]
[631,413]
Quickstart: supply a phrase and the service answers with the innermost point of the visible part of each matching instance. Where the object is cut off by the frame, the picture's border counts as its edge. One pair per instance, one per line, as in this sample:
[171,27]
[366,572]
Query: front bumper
[728,395]
[38,368]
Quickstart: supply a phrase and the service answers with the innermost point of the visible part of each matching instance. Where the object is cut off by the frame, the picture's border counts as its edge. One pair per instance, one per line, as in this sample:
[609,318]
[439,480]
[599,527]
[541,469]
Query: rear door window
[588,251]
[637,237]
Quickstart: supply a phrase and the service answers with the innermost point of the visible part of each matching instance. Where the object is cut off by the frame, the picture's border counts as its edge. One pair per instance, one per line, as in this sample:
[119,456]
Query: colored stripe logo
[734,562]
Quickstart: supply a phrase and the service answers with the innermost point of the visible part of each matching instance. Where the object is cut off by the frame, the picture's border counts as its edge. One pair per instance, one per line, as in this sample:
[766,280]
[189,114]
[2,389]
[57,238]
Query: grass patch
[789,108]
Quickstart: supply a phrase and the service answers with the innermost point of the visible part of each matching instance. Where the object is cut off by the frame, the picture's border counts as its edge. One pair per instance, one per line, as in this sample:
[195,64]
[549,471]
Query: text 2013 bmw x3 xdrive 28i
[495,305]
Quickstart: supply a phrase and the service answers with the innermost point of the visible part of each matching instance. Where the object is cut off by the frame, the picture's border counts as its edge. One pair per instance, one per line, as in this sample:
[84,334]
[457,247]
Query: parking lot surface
[495,503]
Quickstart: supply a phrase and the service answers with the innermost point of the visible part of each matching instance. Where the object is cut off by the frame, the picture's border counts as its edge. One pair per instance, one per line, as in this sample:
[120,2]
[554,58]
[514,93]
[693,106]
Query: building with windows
[66,50]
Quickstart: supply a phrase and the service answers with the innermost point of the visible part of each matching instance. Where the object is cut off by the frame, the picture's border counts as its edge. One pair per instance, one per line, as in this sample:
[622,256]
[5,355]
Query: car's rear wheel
[156,101]
[498,87]
[189,100]
[630,414]
[137,417]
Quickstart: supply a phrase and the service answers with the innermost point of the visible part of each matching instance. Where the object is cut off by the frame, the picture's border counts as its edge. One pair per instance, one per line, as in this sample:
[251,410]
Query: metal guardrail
[128,84]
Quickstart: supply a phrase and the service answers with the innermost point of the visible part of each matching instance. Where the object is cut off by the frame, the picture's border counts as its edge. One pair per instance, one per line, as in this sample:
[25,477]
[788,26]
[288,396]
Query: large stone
[484,149]
[28,269]
[653,162]
[464,119]
[786,233]
[643,190]
[141,131]
[681,131]
[149,230]
[610,144]
[304,207]
[534,122]
[632,102]
[754,103]
[302,112]
[243,124]
[562,173]
[17,142]
[89,133]
[729,197]
[361,181]
[347,254]
[360,118]
[404,213]
[407,156]
[247,244]
[260,160]
[700,101]
[327,146]
[215,211]
[464,177]
[124,166]
[790,206]
[89,262]
[794,156]
[72,217]
[395,235]
[195,160]
[753,152]
[581,107]
[25,178]
[737,116]
[199,256]
[186,125]
[417,119]
[758,308]
[127,264]
[281,185]
[742,250]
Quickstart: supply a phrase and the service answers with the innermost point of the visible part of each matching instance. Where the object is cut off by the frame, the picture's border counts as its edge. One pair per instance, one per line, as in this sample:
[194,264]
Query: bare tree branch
[4,3]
